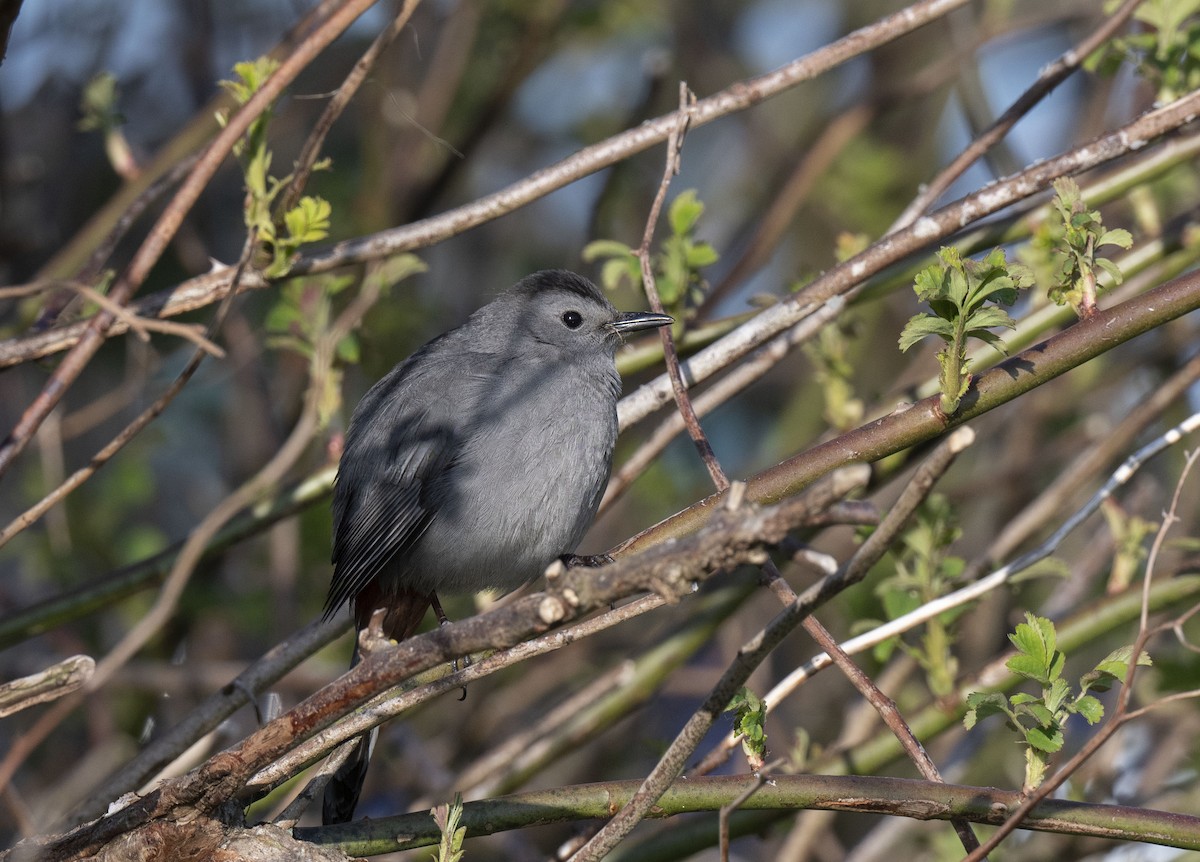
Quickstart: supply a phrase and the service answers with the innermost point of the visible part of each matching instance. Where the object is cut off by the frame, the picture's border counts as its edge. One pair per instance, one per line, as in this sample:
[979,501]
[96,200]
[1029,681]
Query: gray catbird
[476,462]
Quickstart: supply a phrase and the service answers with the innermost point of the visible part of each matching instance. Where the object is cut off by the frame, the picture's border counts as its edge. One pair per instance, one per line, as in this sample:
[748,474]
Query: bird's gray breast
[526,481]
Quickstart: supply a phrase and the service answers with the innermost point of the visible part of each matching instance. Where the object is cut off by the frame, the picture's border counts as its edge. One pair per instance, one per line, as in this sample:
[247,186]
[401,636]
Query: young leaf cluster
[965,298]
[447,818]
[1165,51]
[924,570]
[833,372]
[749,719]
[308,221]
[1040,719]
[1064,250]
[676,266]
[303,313]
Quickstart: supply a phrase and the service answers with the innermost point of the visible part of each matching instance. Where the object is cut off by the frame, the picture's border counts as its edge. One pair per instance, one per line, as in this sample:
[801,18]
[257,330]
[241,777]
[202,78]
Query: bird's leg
[437,609]
[591,561]
[442,621]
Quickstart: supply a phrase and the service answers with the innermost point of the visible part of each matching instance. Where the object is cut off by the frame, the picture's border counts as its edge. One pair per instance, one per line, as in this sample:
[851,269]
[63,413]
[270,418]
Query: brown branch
[56,681]
[337,104]
[922,421]
[731,539]
[687,101]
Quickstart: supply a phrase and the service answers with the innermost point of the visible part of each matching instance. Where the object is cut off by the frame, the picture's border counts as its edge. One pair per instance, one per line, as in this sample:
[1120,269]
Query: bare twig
[1049,78]
[735,98]
[168,224]
[58,680]
[687,102]
[337,104]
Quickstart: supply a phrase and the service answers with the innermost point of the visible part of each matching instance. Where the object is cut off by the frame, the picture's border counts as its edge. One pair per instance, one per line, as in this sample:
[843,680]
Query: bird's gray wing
[403,437]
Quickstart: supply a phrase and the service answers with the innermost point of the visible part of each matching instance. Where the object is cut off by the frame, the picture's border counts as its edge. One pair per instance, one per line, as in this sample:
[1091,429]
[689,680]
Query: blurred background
[473,96]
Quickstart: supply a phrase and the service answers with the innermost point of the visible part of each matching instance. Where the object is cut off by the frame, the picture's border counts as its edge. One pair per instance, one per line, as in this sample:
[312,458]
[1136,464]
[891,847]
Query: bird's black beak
[635,321]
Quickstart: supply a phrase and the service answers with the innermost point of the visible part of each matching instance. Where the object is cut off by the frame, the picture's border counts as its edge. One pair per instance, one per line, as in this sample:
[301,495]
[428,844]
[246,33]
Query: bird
[476,463]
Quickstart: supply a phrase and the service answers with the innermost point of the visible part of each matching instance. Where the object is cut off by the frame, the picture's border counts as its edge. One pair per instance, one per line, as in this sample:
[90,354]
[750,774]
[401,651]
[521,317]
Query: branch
[922,421]
[733,99]
[671,570]
[903,797]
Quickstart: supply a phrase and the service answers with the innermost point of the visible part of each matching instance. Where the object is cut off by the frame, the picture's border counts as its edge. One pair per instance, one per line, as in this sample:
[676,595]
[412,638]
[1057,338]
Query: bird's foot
[444,620]
[591,561]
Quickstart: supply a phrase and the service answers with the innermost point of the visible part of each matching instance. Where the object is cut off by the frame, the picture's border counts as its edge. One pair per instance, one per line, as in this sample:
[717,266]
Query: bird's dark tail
[404,614]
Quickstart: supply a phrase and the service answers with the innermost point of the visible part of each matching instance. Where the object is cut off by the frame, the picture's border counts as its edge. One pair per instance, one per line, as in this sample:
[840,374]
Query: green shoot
[964,296]
[833,371]
[1063,252]
[749,716]
[676,267]
[924,570]
[1165,52]
[447,818]
[309,220]
[1040,719]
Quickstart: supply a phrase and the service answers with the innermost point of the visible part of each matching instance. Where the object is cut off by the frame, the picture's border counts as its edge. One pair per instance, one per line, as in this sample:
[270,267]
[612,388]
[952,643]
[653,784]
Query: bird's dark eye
[572,319]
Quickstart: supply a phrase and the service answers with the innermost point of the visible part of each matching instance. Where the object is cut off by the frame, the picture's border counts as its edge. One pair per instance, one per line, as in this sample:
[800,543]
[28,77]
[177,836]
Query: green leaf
[1043,739]
[930,283]
[1056,695]
[701,254]
[1039,712]
[988,317]
[1027,666]
[605,248]
[308,221]
[922,325]
[981,705]
[1117,236]
[1114,271]
[1090,708]
[684,212]
[1036,638]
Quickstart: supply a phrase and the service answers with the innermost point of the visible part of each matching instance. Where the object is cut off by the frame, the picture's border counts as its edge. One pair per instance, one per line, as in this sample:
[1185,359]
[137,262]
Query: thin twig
[757,780]
[143,326]
[982,587]
[1049,78]
[687,101]
[165,228]
[337,104]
